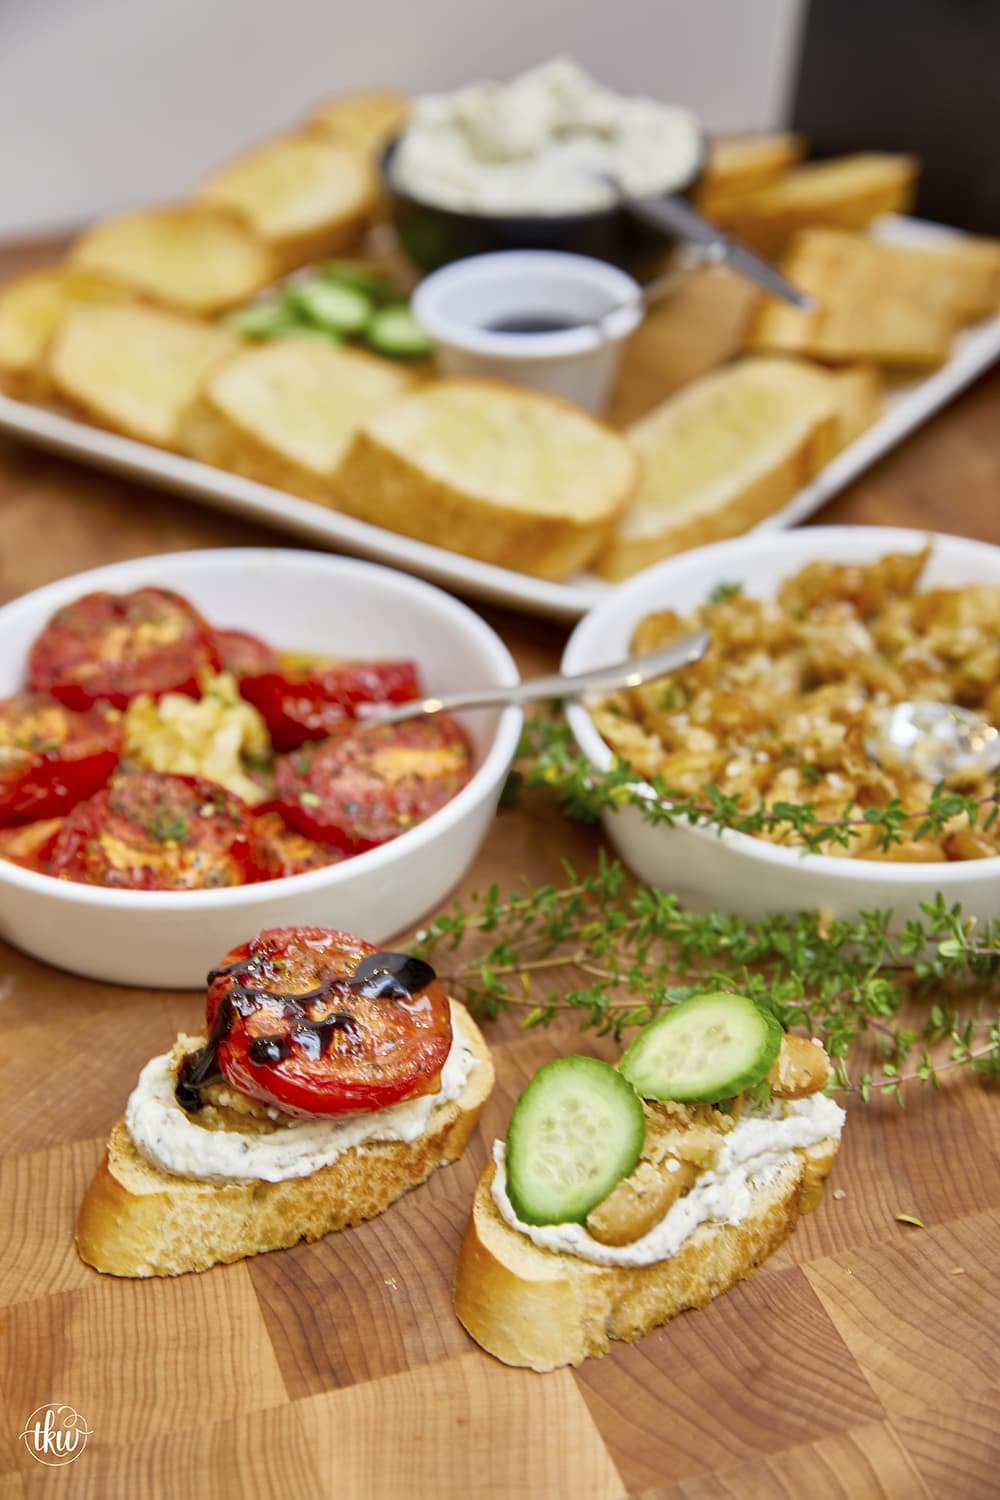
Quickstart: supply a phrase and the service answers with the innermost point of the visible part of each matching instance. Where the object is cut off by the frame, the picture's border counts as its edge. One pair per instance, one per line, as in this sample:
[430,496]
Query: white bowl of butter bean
[810,628]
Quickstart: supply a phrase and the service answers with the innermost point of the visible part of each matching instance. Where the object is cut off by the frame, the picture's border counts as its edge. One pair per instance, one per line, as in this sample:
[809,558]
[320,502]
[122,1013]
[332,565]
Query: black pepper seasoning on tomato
[148,831]
[116,646]
[367,784]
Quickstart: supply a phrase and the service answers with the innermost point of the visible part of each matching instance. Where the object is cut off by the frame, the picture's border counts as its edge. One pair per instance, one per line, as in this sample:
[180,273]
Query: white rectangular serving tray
[908,404]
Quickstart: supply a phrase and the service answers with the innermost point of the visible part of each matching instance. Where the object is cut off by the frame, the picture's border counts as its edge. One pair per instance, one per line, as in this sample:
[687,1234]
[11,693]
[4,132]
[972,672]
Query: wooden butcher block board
[862,1360]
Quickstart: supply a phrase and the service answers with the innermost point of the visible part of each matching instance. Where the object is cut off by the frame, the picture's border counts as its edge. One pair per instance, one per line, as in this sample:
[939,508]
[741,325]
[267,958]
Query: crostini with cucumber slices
[625,1195]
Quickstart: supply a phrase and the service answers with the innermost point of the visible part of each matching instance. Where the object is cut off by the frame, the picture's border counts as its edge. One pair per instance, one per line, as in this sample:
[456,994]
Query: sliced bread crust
[846,192]
[136,1220]
[892,305]
[33,308]
[510,476]
[368,119]
[305,196]
[720,455]
[284,412]
[134,368]
[542,1309]
[741,163]
[197,257]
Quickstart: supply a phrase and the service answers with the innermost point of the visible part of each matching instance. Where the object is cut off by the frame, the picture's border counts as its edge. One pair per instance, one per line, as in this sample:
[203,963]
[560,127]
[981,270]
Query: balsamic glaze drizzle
[269,1050]
[391,976]
[202,1067]
[379,976]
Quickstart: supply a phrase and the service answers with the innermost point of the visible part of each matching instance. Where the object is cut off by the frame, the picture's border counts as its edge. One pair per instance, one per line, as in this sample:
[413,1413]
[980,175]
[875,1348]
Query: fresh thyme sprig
[548,757]
[631,951]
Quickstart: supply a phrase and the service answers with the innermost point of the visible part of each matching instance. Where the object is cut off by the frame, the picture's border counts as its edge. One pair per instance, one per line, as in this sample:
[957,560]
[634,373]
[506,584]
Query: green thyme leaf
[548,757]
[614,954]
[164,828]
[724,591]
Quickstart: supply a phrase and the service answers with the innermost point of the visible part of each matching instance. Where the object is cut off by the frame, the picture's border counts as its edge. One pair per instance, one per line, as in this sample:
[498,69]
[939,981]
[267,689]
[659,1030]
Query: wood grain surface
[861,1363]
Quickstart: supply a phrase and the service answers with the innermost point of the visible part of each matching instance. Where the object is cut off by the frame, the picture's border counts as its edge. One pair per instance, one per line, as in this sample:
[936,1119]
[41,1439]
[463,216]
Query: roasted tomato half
[311,702]
[244,655]
[284,851]
[30,844]
[368,784]
[148,831]
[116,646]
[51,758]
[321,1023]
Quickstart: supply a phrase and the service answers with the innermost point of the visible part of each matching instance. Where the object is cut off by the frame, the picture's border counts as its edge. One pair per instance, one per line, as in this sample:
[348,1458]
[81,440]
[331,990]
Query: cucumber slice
[371,284]
[576,1131]
[396,332]
[705,1049]
[261,320]
[337,309]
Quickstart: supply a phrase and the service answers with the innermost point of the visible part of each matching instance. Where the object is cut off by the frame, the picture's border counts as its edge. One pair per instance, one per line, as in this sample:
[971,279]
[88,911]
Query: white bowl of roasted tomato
[187,754]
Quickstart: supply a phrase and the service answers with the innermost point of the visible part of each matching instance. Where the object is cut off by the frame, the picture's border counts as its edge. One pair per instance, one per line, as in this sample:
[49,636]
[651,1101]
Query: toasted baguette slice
[135,369]
[192,256]
[32,308]
[136,1220]
[368,119]
[847,192]
[859,394]
[541,1308]
[507,475]
[737,164]
[720,455]
[959,273]
[882,304]
[963,271]
[284,412]
[303,195]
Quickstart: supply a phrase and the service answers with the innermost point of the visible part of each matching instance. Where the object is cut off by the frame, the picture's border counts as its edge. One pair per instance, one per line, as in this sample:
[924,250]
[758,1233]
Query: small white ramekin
[304,601]
[457,305]
[731,871]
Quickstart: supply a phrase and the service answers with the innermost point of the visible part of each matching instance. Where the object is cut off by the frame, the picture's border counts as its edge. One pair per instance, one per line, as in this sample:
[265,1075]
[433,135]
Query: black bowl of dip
[434,235]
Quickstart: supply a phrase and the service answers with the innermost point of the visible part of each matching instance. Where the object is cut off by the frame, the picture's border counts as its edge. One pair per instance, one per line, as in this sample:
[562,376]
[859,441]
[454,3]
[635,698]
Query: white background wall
[109,102]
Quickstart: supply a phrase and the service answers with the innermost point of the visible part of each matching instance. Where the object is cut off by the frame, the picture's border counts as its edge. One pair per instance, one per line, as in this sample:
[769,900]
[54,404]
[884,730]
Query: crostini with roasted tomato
[330,1078]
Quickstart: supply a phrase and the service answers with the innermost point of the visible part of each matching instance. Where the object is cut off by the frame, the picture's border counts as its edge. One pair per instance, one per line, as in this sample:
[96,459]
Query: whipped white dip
[534,144]
[751,1155]
[172,1140]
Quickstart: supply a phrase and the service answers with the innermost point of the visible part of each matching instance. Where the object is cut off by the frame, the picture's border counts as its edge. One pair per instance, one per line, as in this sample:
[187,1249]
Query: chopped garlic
[212,736]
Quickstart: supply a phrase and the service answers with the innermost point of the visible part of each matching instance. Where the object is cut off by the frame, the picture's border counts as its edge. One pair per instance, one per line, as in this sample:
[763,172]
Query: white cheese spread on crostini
[297,1146]
[758,1147]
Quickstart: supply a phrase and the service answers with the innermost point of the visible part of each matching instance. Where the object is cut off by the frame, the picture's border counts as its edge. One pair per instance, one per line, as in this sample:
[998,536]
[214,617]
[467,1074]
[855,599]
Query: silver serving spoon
[937,740]
[623,674]
[713,246]
[675,218]
[705,244]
